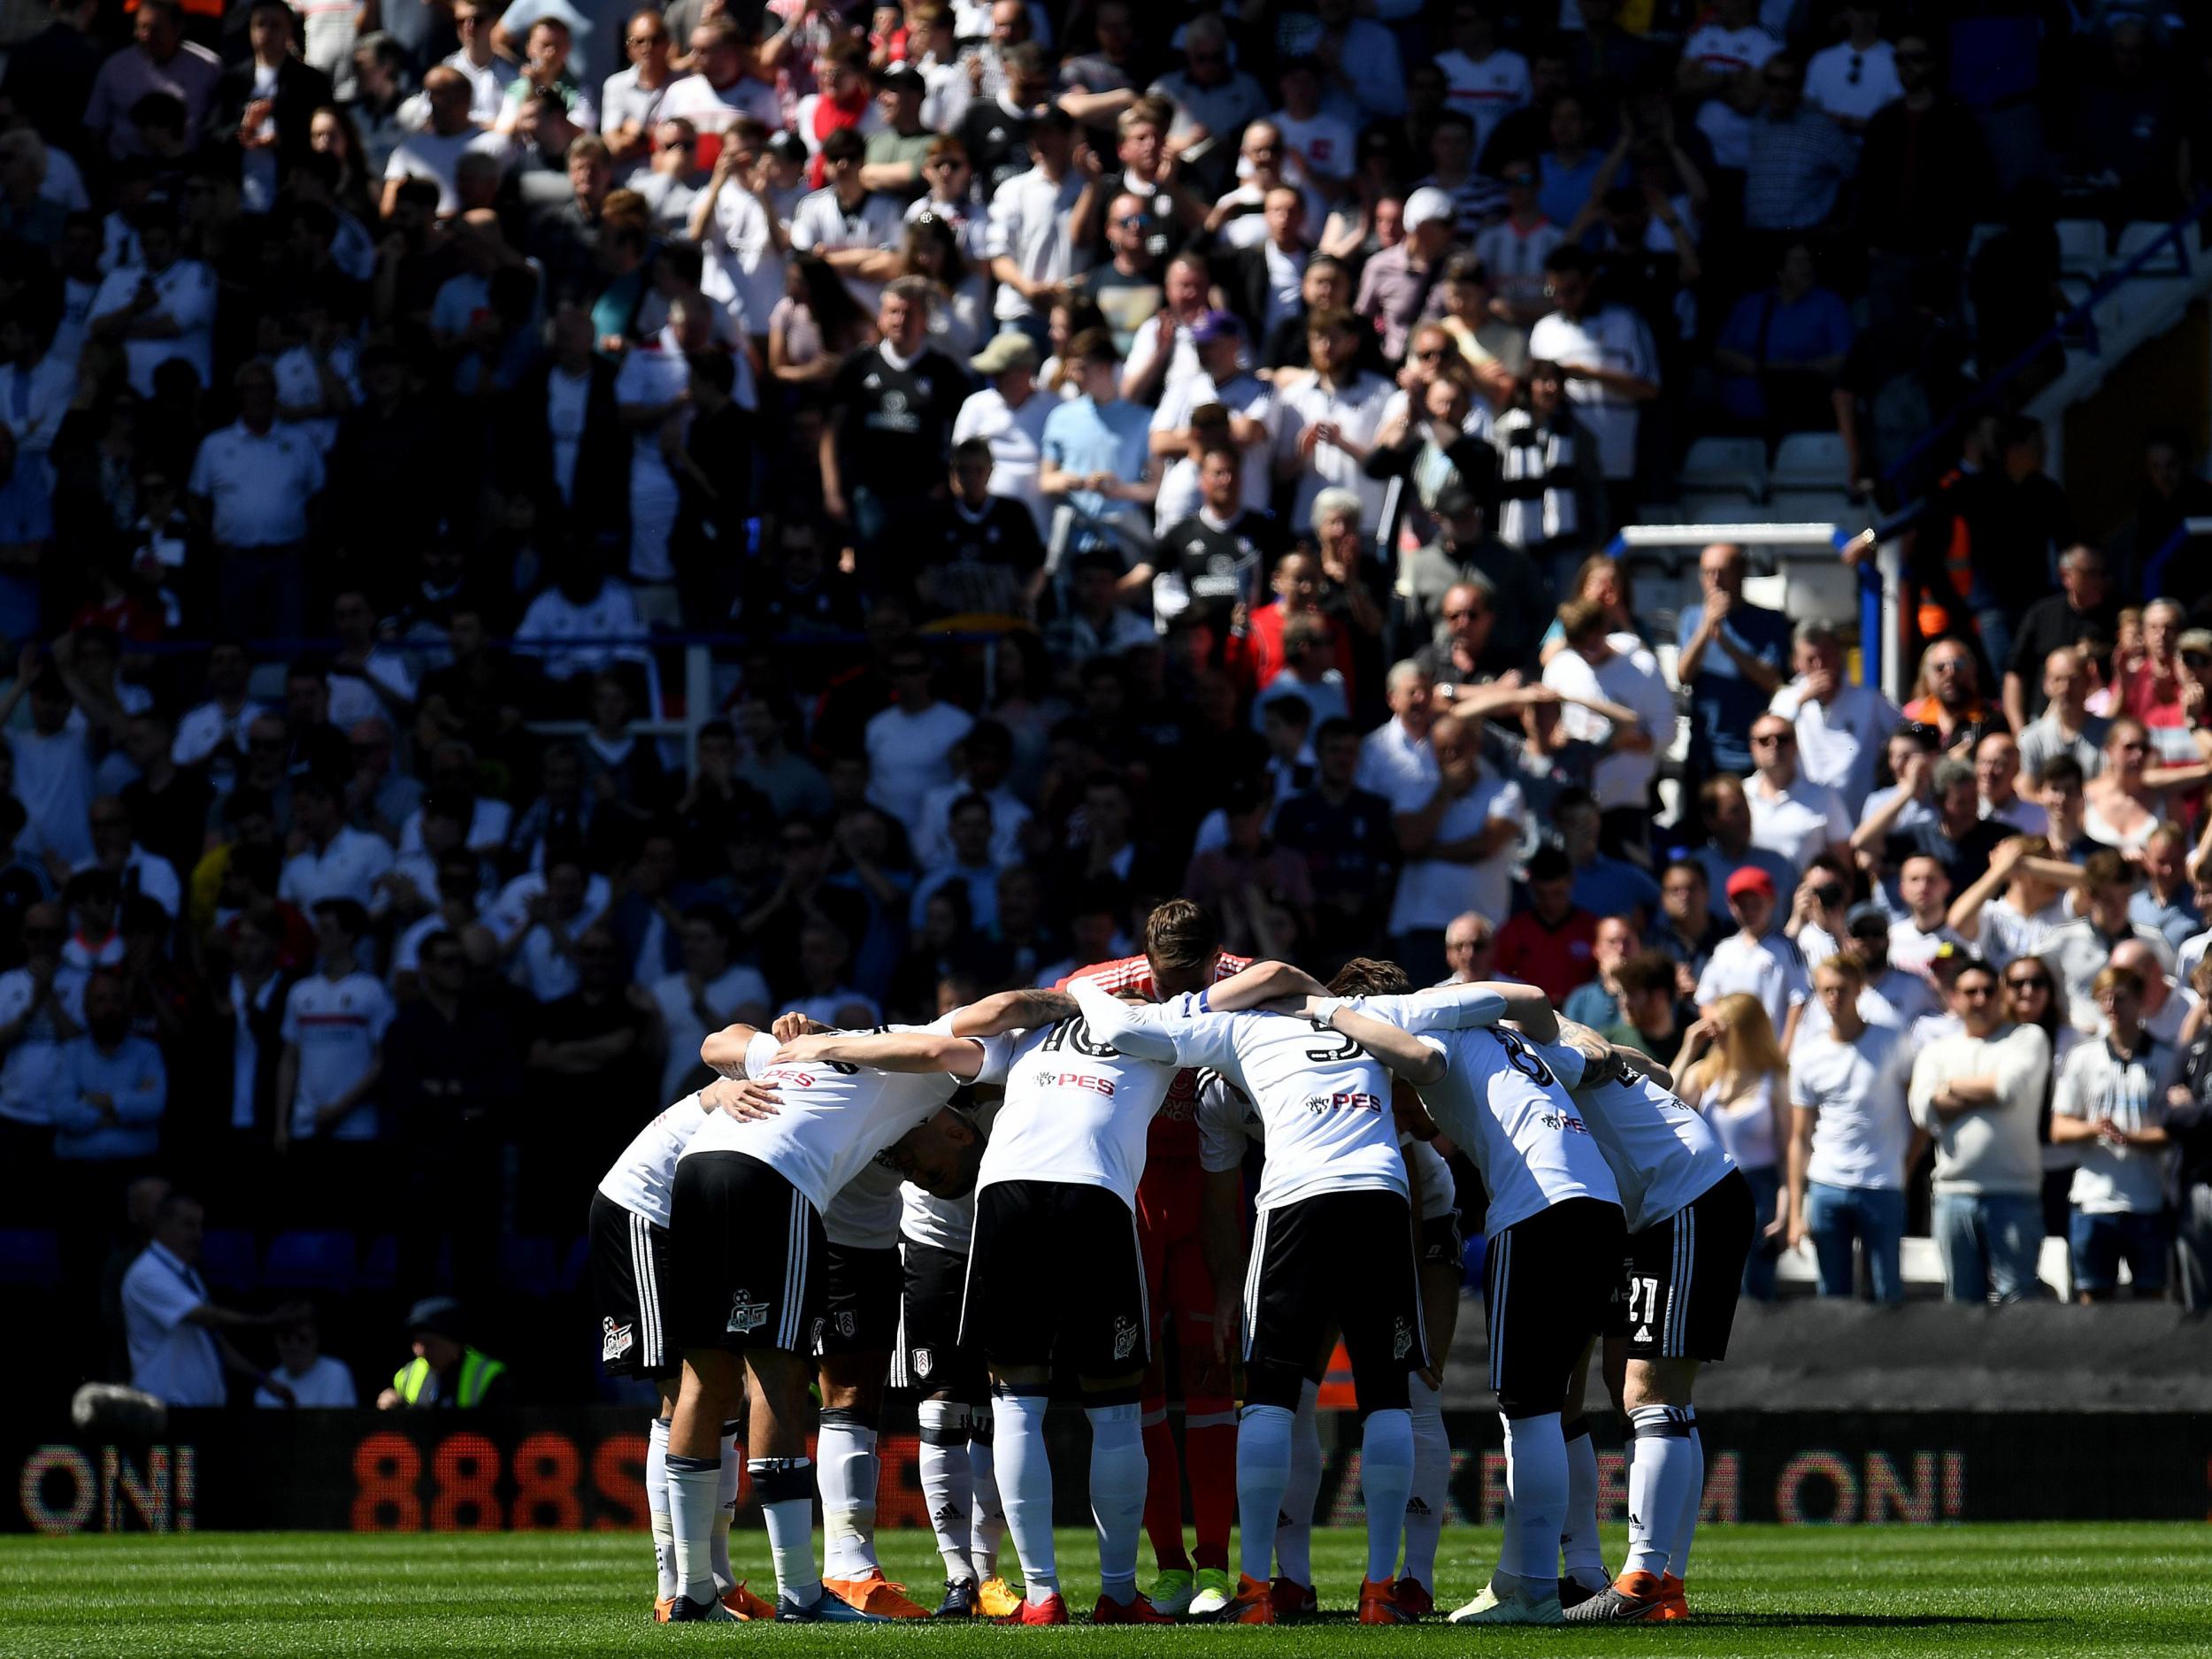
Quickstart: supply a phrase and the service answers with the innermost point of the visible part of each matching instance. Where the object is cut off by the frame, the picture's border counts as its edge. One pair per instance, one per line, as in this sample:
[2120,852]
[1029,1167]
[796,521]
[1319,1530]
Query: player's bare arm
[723,1052]
[746,1099]
[1406,1055]
[887,1051]
[1261,982]
[1128,1028]
[1012,1010]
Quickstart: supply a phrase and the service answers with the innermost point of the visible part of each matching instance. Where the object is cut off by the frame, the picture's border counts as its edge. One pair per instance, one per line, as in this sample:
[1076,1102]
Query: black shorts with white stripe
[1054,1277]
[860,1301]
[745,1249]
[1676,1297]
[930,1359]
[1546,1283]
[1340,1259]
[631,1286]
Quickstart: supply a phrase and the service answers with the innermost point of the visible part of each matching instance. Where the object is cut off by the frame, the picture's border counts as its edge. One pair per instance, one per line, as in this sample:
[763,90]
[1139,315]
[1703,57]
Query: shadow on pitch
[1861,1621]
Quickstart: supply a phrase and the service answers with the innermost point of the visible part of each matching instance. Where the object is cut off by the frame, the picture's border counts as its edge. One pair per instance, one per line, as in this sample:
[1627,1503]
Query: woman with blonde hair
[1732,1070]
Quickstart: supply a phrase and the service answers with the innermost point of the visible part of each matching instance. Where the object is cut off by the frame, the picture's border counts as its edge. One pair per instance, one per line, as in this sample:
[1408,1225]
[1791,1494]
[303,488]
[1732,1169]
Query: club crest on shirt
[615,1339]
[1124,1337]
[746,1314]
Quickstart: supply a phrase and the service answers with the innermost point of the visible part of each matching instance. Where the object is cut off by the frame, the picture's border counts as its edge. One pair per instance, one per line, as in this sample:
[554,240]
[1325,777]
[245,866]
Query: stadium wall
[581,1470]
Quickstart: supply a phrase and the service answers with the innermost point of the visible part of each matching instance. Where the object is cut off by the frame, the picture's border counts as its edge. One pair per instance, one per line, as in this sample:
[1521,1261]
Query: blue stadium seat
[380,1264]
[309,1260]
[528,1265]
[30,1255]
[575,1264]
[227,1258]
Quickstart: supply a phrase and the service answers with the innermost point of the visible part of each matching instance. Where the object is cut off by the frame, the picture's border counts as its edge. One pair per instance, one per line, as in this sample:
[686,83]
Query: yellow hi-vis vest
[478,1372]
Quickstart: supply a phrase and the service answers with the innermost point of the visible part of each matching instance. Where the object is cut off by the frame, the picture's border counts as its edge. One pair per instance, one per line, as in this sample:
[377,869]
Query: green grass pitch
[2049,1591]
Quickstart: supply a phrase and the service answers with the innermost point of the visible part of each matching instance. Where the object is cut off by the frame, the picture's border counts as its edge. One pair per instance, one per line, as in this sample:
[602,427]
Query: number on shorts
[1647,1291]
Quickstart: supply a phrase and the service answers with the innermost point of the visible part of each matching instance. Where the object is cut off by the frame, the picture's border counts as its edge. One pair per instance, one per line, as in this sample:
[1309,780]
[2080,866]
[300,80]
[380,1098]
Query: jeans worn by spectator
[2099,1243]
[1759,1266]
[1989,1242]
[1872,1215]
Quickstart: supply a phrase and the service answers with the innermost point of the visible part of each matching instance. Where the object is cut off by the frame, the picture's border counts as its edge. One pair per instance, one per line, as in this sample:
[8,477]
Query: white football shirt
[1077,1109]
[834,1120]
[1504,1101]
[337,1025]
[1227,1124]
[642,1177]
[1662,1155]
[864,1213]
[948,1224]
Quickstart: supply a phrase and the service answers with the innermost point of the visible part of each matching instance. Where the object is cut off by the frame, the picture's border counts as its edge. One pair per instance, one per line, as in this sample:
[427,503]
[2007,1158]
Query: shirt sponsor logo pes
[1343,1100]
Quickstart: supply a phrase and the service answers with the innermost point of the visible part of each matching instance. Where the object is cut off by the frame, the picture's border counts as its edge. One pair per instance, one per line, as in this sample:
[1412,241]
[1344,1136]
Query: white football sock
[726,1510]
[1578,1539]
[1659,1472]
[1025,1483]
[694,1488]
[1385,1480]
[1536,1475]
[845,1448]
[990,1515]
[1263,1438]
[1119,1474]
[1508,1567]
[1294,1527]
[784,1486]
[948,1482]
[1432,1484]
[657,1507]
[1693,1502]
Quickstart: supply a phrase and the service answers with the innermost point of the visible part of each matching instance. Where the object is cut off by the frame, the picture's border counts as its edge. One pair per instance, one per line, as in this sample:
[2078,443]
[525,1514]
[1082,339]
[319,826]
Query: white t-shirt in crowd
[1612,337]
[1801,823]
[349,867]
[1859,1089]
[1767,968]
[337,1025]
[909,754]
[327,1386]
[1629,677]
[172,1358]
[1432,891]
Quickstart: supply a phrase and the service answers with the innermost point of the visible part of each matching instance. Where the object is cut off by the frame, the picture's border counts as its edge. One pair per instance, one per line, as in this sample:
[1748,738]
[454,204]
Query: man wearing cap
[896,148]
[446,1372]
[1010,415]
[1888,996]
[1222,378]
[1397,284]
[1755,959]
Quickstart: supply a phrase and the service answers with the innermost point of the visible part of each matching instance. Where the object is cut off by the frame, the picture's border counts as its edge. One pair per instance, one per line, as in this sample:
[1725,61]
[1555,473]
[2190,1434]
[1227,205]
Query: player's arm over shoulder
[724,1051]
[923,1049]
[1006,1011]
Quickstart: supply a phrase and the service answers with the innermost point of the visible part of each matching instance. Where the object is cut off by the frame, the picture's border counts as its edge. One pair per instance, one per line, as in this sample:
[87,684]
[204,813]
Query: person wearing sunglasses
[1851,80]
[1976,1094]
[630,100]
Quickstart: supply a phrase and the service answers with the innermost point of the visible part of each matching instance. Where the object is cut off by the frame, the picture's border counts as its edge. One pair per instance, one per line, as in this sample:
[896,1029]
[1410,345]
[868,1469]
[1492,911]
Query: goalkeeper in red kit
[1182,953]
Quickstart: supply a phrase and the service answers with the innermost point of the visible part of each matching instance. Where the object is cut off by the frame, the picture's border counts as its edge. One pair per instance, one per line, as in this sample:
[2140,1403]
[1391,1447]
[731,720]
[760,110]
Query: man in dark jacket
[264,106]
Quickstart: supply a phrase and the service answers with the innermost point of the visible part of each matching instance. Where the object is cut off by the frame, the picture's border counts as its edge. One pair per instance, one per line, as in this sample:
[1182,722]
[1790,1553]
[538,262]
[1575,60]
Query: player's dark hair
[1369,976]
[1180,938]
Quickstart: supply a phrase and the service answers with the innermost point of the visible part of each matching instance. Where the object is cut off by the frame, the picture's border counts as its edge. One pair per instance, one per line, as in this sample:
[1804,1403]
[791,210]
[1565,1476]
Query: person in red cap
[1755,958]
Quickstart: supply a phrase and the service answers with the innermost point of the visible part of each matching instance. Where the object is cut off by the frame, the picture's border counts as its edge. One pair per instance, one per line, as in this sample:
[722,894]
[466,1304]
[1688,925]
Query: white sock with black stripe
[1536,1475]
[1693,1500]
[1660,1471]
[947,1483]
[1432,1484]
[845,1456]
[657,1507]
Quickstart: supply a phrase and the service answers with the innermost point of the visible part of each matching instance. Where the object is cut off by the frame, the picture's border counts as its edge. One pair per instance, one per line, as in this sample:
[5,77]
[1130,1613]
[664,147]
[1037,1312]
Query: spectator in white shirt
[1840,727]
[1789,815]
[161,308]
[1396,752]
[1615,697]
[1611,364]
[910,743]
[543,916]
[1978,1094]
[336,861]
[2110,1107]
[335,1021]
[1030,238]
[51,760]
[1327,420]
[251,483]
[986,754]
[435,152]
[487,73]
[175,1330]
[134,869]
[630,99]
[1010,415]
[1851,80]
[1756,960]
[1457,829]
[309,1378]
[709,993]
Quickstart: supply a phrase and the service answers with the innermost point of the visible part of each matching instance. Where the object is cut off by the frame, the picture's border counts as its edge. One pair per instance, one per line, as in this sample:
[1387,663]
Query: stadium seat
[528,1265]
[2169,261]
[1733,465]
[380,1264]
[30,1255]
[575,1261]
[2081,246]
[1819,506]
[309,1260]
[227,1258]
[1811,460]
[1722,510]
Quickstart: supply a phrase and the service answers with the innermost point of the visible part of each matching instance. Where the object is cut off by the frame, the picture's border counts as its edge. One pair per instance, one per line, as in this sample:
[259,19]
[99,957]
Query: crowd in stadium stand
[1011,394]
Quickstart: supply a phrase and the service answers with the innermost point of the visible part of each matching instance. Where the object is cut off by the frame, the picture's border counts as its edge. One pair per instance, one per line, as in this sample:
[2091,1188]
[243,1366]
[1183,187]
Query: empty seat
[380,1264]
[2081,246]
[309,1261]
[30,1255]
[1812,460]
[1818,506]
[2169,260]
[1738,465]
[1721,510]
[528,1265]
[227,1258]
